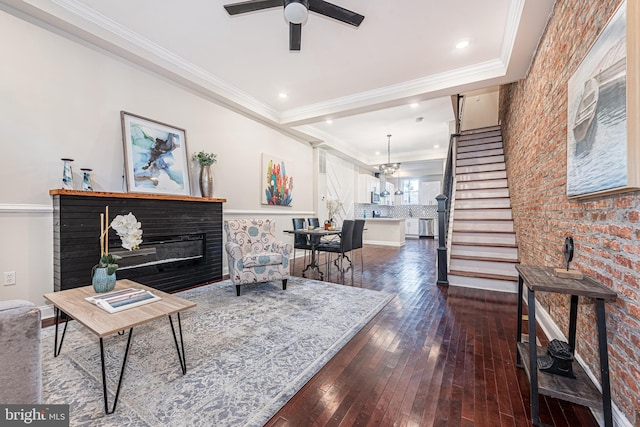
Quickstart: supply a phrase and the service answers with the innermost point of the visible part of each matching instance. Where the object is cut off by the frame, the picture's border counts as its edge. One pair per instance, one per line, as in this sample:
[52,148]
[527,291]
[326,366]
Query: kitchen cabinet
[411,226]
[366,185]
[428,192]
[384,231]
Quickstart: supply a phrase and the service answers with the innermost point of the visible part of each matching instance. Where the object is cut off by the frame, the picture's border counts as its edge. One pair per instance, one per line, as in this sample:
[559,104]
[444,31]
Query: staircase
[483,243]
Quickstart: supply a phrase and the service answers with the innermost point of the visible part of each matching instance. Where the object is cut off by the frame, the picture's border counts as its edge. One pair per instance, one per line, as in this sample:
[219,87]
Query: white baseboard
[46,312]
[480,283]
[383,243]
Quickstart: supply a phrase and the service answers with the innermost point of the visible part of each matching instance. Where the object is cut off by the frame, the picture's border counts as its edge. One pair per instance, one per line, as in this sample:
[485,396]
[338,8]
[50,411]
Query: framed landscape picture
[155,156]
[277,181]
[603,154]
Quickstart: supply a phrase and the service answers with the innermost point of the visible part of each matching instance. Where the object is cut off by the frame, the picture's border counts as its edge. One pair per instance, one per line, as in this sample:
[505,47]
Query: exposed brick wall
[606,229]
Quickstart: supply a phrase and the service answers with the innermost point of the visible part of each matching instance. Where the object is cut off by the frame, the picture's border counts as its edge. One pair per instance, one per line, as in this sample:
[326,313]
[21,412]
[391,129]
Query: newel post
[442,240]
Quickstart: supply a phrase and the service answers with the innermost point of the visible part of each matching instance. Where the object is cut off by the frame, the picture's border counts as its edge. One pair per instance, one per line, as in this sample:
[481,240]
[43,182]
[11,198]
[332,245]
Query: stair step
[482,214]
[513,278]
[486,184]
[480,153]
[486,245]
[504,253]
[493,226]
[483,203]
[480,168]
[479,147]
[473,144]
[482,129]
[489,239]
[499,285]
[480,161]
[482,176]
[482,193]
[499,268]
[484,258]
[466,136]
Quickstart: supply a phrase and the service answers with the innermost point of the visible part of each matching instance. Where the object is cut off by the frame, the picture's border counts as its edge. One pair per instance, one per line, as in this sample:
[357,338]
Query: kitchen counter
[384,219]
[384,231]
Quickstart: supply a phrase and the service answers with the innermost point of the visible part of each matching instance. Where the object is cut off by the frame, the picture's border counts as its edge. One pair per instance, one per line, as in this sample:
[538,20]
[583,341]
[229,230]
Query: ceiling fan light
[296,12]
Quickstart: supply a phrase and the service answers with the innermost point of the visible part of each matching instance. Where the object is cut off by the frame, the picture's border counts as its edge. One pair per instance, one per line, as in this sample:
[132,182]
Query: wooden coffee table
[72,302]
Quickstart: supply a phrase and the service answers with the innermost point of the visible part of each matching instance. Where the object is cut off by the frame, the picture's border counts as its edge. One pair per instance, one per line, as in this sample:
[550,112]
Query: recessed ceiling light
[415,105]
[462,44]
[329,121]
[282,95]
[377,153]
[436,146]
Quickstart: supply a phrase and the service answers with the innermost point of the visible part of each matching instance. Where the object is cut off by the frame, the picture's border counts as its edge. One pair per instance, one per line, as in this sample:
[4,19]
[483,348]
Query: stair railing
[444,199]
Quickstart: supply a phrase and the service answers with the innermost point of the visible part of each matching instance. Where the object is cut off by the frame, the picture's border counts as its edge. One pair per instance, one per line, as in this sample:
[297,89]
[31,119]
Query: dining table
[315,235]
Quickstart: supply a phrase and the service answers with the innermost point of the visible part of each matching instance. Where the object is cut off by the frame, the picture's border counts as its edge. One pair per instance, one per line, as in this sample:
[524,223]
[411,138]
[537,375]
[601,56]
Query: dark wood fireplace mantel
[169,224]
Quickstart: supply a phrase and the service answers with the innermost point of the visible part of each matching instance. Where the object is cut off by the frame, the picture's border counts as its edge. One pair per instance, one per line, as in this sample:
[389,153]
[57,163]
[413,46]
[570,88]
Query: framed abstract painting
[603,151]
[155,156]
[277,181]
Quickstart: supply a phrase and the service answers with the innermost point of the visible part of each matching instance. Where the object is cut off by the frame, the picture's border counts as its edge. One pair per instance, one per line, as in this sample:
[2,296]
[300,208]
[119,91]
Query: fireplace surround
[182,238]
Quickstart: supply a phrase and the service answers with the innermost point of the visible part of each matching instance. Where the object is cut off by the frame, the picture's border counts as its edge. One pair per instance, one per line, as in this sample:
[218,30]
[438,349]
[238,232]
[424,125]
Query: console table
[579,390]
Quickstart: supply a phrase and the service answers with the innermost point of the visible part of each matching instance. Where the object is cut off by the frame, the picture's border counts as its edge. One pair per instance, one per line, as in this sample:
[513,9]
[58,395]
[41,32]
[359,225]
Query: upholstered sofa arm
[234,250]
[282,247]
[21,370]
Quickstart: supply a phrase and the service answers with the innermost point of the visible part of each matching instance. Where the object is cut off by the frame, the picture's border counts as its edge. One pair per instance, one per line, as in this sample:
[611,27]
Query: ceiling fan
[295,12]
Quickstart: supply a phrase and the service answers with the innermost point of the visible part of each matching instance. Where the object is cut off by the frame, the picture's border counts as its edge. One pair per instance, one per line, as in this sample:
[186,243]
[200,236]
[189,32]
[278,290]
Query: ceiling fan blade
[251,6]
[295,36]
[336,12]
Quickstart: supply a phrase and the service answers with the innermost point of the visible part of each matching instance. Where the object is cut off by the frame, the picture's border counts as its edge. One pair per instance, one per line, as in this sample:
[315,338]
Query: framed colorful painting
[155,156]
[277,181]
[603,151]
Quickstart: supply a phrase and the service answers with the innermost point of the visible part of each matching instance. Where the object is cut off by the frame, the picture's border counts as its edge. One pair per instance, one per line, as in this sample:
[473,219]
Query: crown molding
[516,9]
[394,95]
[162,55]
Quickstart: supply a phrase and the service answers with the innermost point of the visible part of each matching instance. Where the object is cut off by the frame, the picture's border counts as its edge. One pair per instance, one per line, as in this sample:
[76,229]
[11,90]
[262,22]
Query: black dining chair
[300,241]
[315,223]
[358,237]
[341,247]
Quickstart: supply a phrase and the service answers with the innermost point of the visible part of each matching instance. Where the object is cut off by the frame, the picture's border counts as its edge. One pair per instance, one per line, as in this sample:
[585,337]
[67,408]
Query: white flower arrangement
[333,205]
[130,233]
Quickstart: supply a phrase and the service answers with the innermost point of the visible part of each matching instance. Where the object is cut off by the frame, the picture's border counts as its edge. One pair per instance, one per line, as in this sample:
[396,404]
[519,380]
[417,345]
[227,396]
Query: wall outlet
[9,278]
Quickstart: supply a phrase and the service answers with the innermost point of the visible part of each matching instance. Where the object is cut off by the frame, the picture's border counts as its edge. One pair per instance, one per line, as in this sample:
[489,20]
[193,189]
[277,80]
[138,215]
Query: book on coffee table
[123,299]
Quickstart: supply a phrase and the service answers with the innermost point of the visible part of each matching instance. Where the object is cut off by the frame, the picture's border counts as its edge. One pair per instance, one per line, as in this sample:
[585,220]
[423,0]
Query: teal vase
[101,281]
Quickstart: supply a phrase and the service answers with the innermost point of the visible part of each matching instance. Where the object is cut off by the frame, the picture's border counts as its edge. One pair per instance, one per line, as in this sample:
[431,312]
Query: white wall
[480,110]
[339,182]
[60,99]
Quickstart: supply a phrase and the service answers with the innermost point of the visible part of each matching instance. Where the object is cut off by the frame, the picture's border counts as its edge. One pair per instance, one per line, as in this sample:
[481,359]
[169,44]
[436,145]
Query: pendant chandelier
[389,168]
[398,191]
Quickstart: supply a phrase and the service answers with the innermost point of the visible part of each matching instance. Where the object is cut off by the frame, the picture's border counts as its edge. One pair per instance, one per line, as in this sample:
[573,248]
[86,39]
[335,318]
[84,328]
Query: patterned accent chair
[254,254]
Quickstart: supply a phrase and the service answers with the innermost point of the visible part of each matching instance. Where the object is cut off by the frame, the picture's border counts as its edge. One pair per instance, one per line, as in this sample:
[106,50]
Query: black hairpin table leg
[57,347]
[104,376]
[180,348]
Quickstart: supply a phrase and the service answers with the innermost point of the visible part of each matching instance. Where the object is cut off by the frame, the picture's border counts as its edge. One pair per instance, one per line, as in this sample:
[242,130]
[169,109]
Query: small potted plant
[103,274]
[333,205]
[205,160]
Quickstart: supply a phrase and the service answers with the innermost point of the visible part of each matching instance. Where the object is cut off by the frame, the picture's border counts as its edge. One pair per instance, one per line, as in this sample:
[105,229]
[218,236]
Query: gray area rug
[246,356]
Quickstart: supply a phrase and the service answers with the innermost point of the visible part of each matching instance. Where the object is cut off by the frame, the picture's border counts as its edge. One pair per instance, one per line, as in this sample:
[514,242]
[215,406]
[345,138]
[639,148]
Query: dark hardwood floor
[432,357]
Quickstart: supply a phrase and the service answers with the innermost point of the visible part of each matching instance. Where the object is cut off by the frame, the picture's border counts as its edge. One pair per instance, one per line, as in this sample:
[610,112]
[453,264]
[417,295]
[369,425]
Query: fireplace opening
[161,251]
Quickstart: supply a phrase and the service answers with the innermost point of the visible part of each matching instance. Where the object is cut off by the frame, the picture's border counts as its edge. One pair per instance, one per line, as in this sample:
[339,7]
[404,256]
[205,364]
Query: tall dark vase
[206,181]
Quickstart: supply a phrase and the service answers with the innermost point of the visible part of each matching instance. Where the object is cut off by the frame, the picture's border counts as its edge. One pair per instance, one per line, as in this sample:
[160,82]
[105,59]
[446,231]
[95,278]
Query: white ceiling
[362,78]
